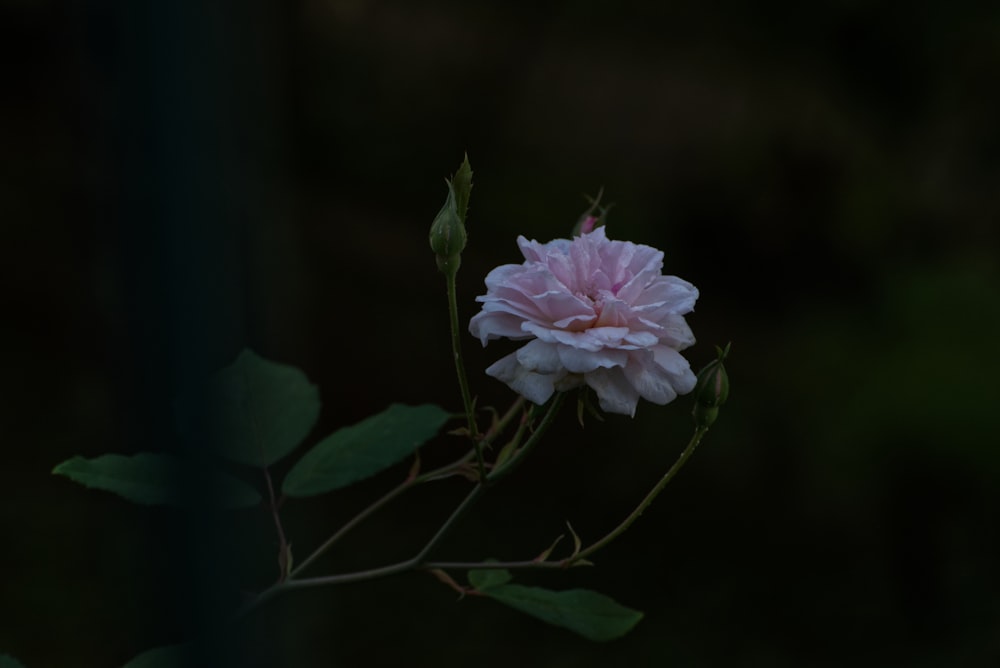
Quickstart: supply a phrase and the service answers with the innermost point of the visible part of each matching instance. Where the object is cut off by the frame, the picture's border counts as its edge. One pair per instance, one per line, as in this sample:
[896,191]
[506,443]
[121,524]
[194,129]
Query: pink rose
[596,311]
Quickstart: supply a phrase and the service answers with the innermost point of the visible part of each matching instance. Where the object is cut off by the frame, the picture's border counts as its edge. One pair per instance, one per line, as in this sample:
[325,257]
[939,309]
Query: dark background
[179,181]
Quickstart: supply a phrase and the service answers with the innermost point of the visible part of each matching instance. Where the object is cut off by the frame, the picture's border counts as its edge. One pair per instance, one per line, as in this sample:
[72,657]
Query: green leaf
[588,613]
[171,656]
[364,449]
[484,578]
[156,479]
[254,411]
[7,661]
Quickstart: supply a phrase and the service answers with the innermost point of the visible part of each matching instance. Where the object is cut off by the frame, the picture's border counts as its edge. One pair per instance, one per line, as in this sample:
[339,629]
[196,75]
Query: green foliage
[590,614]
[362,450]
[156,479]
[7,661]
[485,578]
[171,656]
[254,411]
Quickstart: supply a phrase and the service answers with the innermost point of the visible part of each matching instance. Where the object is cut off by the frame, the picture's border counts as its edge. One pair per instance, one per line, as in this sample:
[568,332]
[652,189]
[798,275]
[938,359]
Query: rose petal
[539,356]
[583,361]
[650,380]
[486,326]
[671,361]
[532,386]
[599,312]
[614,392]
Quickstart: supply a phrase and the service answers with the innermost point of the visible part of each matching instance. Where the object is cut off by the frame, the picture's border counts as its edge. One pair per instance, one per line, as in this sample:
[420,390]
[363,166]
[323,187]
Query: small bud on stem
[712,390]
[447,236]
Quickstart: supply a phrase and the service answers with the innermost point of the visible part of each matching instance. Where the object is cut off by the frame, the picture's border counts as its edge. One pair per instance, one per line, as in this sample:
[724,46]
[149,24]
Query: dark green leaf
[484,578]
[254,411]
[7,661]
[157,479]
[594,616]
[172,656]
[362,450]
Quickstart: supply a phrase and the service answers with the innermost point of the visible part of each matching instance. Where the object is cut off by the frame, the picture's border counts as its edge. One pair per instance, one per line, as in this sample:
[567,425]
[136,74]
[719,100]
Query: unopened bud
[711,390]
[587,221]
[447,236]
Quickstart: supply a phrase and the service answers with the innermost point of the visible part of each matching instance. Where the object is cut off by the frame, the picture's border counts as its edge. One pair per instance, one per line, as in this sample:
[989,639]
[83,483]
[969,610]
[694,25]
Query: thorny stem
[445,528]
[382,501]
[291,582]
[463,381]
[409,483]
[507,565]
[699,433]
[417,561]
[579,558]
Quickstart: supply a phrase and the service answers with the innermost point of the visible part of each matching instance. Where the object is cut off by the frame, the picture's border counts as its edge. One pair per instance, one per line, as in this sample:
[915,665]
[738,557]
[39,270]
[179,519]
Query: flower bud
[447,236]
[587,221]
[711,390]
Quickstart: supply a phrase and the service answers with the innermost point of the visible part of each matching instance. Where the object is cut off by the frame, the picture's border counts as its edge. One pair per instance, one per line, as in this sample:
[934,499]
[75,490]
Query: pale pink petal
[584,339]
[642,339]
[615,313]
[559,305]
[581,361]
[650,380]
[486,326]
[534,387]
[669,292]
[598,312]
[614,393]
[605,336]
[676,333]
[539,356]
[677,368]
[639,283]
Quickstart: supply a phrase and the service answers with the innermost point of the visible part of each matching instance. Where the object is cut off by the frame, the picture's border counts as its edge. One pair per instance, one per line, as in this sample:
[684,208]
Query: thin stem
[502,423]
[577,559]
[344,578]
[472,565]
[398,567]
[354,521]
[436,474]
[456,514]
[382,501]
[463,381]
[282,542]
[653,493]
[535,437]
[415,562]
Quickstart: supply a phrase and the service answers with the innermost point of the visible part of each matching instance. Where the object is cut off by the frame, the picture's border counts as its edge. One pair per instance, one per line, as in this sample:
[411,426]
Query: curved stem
[417,561]
[436,474]
[456,514]
[463,381]
[653,493]
[382,501]
[400,566]
[578,558]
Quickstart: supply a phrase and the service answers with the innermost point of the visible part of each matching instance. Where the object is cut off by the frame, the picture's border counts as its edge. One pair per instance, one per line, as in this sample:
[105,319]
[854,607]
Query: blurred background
[182,180]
